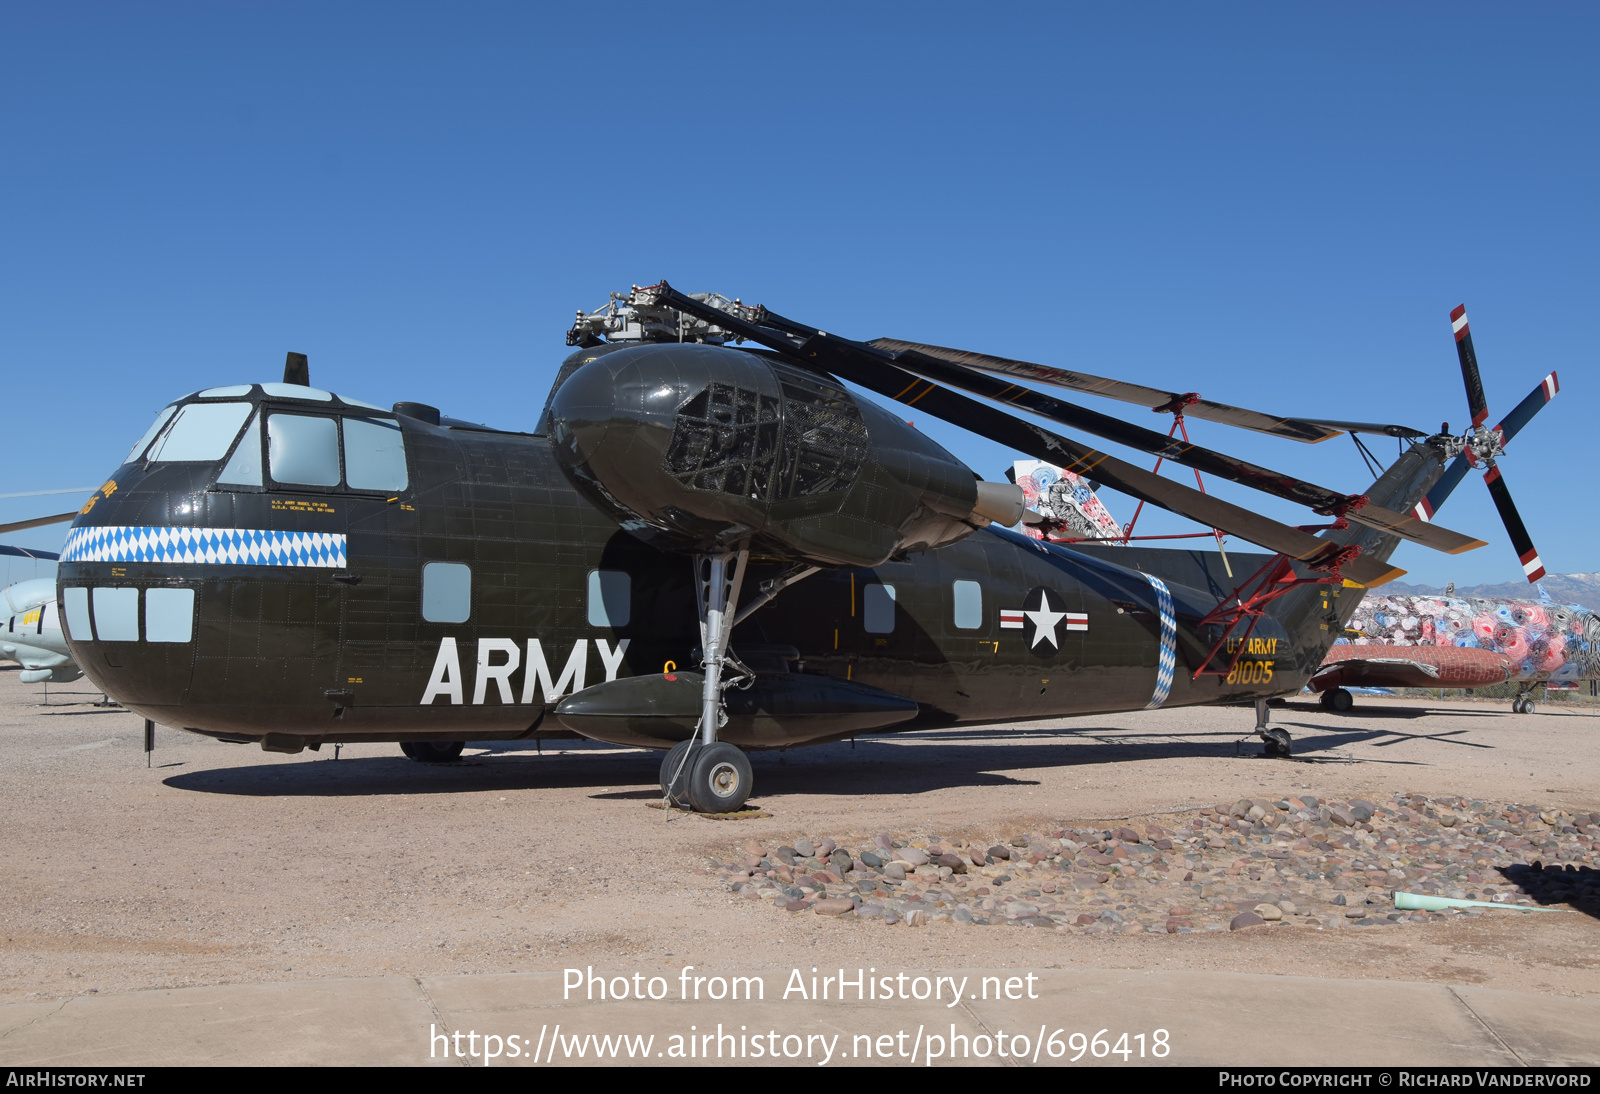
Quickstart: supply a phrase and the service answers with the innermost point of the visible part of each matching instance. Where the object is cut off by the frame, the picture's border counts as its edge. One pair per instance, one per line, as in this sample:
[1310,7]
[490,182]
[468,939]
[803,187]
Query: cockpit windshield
[281,447]
[200,431]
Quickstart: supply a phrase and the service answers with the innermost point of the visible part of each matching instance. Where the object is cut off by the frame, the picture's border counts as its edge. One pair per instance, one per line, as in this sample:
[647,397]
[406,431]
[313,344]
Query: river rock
[1269,913]
[1245,919]
[911,856]
[834,905]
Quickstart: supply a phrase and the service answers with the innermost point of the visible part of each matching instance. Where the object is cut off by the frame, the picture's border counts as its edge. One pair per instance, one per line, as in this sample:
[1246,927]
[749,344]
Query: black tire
[1326,699]
[435,752]
[721,781]
[676,773]
[1279,743]
[411,753]
[1527,706]
[1516,704]
[1342,701]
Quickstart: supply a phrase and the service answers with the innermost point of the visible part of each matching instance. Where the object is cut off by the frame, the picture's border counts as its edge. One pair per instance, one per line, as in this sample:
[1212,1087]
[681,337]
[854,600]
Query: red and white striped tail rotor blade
[1476,403]
[1521,542]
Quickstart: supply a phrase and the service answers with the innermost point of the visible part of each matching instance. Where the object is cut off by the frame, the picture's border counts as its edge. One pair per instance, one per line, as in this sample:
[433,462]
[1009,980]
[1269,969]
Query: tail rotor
[1482,446]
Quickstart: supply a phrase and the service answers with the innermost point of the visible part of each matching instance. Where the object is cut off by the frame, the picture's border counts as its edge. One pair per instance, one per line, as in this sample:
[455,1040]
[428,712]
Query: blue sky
[1276,205]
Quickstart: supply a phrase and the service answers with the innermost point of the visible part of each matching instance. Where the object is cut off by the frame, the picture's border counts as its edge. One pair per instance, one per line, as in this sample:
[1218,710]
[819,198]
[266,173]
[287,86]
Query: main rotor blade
[1402,431]
[36,522]
[1521,542]
[1525,410]
[1319,498]
[1469,366]
[872,368]
[1452,476]
[1306,430]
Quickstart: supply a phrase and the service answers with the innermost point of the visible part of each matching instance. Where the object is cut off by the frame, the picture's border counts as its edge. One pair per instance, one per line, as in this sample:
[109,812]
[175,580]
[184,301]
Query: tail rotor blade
[1469,366]
[1526,409]
[1521,542]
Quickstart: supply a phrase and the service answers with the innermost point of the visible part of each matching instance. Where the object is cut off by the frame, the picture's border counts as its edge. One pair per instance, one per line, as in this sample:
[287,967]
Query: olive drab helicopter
[706,544]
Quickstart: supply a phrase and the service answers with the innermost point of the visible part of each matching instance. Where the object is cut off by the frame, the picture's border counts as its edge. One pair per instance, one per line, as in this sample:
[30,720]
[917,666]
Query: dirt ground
[224,864]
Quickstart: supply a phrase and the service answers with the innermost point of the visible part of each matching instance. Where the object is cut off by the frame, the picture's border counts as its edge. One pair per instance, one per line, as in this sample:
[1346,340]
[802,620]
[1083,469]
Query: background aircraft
[32,633]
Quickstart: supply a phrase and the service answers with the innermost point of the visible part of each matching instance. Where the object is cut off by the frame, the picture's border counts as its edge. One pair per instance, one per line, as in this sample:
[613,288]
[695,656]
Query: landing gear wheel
[676,773]
[1278,743]
[722,779]
[433,752]
[1340,700]
[1522,704]
[1516,704]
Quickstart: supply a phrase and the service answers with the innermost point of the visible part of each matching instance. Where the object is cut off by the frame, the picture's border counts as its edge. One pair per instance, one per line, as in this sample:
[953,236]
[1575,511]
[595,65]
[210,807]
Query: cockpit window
[200,431]
[149,434]
[244,468]
[303,450]
[374,455]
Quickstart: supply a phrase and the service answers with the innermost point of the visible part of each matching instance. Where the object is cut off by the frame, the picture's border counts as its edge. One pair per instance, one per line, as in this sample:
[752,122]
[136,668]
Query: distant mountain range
[1581,589]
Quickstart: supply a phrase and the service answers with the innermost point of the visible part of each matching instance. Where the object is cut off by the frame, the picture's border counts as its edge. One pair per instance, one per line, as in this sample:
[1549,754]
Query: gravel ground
[1293,861]
[224,864]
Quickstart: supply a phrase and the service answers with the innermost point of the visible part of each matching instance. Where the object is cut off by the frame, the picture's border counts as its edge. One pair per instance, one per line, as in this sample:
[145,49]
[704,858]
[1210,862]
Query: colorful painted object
[1537,639]
[1065,500]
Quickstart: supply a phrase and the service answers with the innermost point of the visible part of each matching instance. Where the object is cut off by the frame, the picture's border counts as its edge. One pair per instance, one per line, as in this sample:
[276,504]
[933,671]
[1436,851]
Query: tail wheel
[1342,701]
[722,779]
[433,752]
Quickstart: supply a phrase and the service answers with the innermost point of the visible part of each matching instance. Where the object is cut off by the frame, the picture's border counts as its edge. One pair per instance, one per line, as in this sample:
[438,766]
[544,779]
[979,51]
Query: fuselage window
[149,434]
[169,615]
[610,598]
[200,431]
[302,450]
[116,614]
[374,455]
[446,592]
[968,596]
[76,598]
[244,466]
[877,609]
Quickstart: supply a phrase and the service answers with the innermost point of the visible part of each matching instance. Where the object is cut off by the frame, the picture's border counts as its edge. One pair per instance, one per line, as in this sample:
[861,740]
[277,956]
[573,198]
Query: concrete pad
[1542,1030]
[1243,1020]
[341,1022]
[1211,1018]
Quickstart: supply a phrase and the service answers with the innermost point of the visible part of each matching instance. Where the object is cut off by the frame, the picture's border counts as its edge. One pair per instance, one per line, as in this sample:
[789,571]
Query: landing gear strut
[1338,700]
[1277,741]
[703,773]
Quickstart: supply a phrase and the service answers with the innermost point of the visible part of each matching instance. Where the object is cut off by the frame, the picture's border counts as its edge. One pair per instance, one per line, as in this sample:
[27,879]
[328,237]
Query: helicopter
[706,544]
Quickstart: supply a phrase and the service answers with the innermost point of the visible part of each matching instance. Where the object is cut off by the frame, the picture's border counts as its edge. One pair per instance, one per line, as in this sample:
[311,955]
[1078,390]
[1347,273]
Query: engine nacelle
[696,447]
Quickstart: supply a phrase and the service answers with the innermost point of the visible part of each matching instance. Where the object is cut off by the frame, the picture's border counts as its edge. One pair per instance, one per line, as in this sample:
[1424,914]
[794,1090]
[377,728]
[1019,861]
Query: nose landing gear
[702,773]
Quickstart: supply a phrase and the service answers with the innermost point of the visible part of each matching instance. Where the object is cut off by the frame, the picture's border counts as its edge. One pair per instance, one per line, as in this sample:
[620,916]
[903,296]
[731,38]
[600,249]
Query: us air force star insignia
[1044,610]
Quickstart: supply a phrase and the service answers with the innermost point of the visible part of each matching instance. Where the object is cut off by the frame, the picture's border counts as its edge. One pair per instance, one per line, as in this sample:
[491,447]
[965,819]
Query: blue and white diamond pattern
[226,546]
[1167,659]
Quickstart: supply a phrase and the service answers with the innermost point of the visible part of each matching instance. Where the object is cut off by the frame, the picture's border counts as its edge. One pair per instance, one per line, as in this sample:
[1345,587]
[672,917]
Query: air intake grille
[824,438]
[726,439]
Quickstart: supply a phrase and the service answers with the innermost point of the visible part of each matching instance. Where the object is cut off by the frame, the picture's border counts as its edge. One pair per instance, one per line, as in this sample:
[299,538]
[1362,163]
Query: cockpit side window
[200,432]
[317,450]
[244,467]
[303,450]
[374,455]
